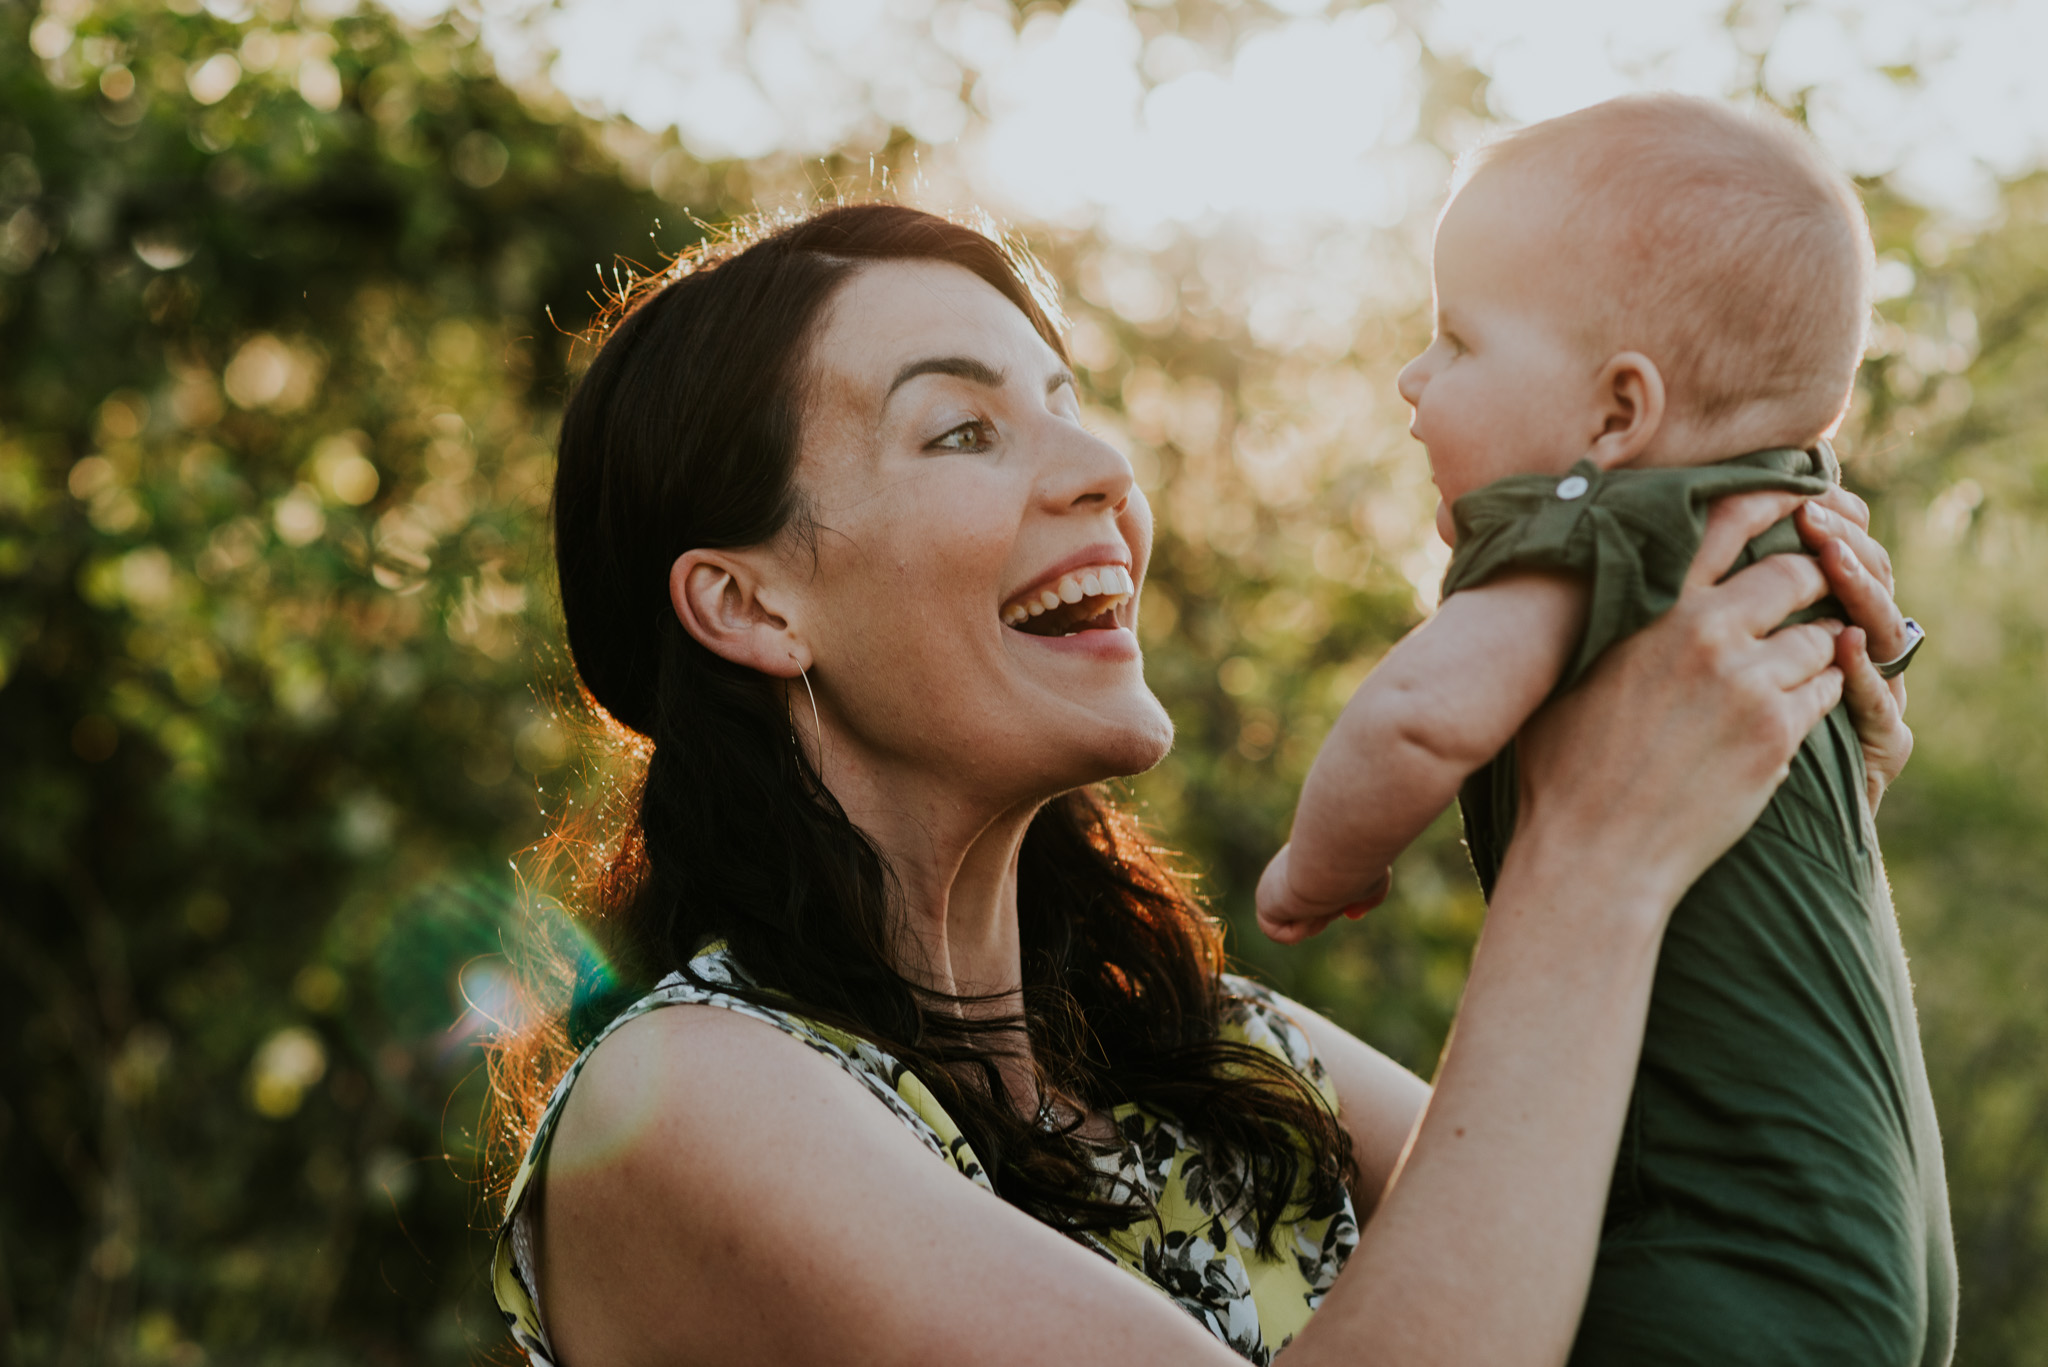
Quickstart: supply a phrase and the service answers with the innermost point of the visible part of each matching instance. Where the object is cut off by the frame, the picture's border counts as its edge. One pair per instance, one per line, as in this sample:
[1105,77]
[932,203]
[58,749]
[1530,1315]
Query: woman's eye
[968,436]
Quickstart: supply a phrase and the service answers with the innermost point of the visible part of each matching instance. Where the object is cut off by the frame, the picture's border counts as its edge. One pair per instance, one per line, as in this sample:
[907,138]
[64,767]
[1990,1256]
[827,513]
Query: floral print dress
[1199,1253]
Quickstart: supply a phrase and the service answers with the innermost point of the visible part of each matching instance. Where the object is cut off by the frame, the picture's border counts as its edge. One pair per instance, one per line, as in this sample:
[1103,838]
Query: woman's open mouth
[1079,600]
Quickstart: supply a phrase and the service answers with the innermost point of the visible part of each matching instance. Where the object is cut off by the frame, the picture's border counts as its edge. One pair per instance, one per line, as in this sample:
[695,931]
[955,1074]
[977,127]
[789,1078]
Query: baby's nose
[1410,381]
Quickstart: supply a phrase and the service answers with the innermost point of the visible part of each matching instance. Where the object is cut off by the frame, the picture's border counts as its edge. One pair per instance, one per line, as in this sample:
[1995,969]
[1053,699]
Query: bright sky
[1303,126]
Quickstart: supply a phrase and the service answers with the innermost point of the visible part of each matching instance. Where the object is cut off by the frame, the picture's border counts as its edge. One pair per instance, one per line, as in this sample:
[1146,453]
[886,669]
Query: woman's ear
[1629,405]
[721,600]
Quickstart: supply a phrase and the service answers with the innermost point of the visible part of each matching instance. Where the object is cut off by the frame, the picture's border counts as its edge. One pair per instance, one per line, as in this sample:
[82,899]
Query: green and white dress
[1200,1253]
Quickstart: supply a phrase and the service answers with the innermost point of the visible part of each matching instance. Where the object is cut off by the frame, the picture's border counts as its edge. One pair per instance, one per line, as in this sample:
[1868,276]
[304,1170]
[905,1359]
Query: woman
[832,537]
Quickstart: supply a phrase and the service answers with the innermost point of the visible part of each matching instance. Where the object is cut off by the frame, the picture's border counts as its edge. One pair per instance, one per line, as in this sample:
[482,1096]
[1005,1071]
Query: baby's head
[1657,280]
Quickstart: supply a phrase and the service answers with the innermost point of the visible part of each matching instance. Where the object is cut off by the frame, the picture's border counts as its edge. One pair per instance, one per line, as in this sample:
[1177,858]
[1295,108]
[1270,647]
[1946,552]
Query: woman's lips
[1112,643]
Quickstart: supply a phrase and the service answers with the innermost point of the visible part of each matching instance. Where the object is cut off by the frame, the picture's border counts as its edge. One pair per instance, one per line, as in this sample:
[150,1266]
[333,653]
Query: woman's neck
[953,855]
[958,933]
[956,875]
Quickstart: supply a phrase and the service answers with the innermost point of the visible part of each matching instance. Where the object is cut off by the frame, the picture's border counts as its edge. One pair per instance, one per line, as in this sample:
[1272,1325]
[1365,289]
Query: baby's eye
[1455,343]
[973,435]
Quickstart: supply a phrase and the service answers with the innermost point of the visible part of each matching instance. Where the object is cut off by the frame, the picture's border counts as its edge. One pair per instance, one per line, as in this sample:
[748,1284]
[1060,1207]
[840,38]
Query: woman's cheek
[1134,525]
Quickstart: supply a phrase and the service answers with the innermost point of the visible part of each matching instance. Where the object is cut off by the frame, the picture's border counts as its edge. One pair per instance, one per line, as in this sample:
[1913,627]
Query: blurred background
[283,705]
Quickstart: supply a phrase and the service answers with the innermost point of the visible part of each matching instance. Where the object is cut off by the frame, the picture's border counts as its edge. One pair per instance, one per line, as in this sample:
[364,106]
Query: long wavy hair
[684,434]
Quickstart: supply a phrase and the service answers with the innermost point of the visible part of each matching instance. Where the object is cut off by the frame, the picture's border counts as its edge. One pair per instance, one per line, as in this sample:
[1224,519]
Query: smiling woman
[916,1051]
[849,460]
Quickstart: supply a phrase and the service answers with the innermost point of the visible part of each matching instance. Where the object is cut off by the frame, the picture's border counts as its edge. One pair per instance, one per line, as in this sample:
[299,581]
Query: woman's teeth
[1112,584]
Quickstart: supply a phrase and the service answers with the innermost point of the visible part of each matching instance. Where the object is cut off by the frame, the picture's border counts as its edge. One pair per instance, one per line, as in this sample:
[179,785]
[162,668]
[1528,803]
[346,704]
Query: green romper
[1779,1197]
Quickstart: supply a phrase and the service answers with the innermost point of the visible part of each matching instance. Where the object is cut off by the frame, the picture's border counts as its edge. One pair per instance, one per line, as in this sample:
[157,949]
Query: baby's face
[1506,386]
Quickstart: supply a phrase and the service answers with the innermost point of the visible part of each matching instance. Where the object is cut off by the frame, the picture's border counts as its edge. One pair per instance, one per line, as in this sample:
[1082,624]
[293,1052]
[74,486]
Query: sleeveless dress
[1778,1198]
[1199,1254]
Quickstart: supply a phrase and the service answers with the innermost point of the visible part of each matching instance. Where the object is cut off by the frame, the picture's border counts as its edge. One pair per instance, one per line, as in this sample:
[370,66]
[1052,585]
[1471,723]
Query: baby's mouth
[1079,600]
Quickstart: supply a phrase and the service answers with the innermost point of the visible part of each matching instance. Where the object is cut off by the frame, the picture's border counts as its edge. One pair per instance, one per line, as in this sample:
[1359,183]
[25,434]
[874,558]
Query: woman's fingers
[1840,515]
[1867,598]
[1768,592]
[1814,699]
[1794,656]
[1732,523]
[1865,688]
[1676,740]
[1878,707]
[1840,500]
[1748,693]
[1859,571]
[1857,568]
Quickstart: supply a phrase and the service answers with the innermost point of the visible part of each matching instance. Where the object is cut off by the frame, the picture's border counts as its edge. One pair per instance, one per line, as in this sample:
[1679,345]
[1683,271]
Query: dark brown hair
[684,434]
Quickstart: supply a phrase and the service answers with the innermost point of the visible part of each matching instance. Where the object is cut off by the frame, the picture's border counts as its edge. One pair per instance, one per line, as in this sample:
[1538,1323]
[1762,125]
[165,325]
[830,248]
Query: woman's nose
[1087,470]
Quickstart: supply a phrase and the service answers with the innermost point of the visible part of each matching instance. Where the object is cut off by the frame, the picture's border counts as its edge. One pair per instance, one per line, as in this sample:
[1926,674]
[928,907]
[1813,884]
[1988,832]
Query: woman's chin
[1131,740]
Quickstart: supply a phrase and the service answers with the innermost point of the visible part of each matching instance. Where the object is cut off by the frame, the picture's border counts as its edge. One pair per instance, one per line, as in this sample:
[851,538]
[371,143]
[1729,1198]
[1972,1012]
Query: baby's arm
[1446,700]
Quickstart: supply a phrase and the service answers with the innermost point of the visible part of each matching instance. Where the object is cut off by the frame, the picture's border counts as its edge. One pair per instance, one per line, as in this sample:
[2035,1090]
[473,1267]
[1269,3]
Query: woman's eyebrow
[967,368]
[962,367]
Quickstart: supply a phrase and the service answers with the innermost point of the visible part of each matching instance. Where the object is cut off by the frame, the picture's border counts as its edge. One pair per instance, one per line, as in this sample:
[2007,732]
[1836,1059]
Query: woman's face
[971,612]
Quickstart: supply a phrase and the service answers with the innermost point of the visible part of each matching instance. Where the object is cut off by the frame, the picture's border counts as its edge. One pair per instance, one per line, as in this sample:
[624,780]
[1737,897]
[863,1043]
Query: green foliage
[276,385]
[280,688]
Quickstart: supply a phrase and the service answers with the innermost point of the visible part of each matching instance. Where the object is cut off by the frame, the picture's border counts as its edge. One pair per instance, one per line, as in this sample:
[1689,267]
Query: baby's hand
[1289,918]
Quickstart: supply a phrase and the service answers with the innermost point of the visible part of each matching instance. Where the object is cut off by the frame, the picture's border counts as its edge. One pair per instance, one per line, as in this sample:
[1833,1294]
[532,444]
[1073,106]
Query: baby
[1642,307]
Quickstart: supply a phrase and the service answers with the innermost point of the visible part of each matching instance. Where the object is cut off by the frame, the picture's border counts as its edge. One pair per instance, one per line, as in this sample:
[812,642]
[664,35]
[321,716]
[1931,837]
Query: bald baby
[1642,308]
[1718,243]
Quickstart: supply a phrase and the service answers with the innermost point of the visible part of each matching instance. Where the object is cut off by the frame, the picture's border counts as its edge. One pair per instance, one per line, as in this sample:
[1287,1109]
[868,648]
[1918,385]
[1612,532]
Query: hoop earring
[817,724]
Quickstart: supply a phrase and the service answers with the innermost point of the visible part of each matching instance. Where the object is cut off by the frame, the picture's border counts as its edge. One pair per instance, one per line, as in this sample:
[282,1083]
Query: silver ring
[1916,636]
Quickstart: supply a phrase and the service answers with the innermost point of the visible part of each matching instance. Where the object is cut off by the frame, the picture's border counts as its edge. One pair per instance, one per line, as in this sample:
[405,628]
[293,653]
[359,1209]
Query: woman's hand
[1670,749]
[1836,527]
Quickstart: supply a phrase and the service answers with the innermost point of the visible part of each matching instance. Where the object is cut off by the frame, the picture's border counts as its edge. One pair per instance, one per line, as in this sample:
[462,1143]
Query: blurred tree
[276,384]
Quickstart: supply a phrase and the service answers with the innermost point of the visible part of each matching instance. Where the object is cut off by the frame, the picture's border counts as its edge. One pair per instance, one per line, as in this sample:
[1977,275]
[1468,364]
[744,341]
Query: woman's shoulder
[721,1191]
[700,1078]
[713,978]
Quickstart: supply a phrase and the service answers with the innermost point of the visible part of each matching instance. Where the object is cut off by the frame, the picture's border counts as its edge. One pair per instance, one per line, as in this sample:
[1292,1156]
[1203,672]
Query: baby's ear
[1629,408]
[726,601]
